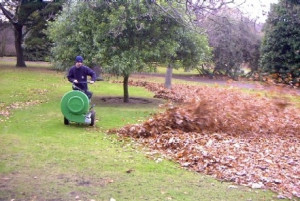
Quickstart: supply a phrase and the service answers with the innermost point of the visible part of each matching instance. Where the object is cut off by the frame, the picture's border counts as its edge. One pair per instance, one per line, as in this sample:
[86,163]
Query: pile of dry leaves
[248,139]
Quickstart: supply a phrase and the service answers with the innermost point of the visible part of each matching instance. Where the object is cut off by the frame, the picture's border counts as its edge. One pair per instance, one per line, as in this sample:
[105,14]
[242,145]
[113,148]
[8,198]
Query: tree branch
[8,14]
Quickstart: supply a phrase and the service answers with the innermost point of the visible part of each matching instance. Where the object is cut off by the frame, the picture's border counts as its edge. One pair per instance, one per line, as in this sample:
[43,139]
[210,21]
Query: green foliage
[36,49]
[194,50]
[281,45]
[123,37]
[70,37]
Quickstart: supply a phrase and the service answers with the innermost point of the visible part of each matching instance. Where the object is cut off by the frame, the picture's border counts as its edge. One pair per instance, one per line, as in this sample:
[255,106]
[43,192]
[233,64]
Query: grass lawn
[42,159]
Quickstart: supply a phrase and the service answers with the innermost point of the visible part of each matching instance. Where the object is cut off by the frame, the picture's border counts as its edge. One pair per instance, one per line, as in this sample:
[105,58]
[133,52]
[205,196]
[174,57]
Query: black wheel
[93,114]
[66,121]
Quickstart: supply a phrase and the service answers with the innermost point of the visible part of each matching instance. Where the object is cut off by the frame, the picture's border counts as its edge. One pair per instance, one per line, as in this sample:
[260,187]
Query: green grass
[42,159]
[11,61]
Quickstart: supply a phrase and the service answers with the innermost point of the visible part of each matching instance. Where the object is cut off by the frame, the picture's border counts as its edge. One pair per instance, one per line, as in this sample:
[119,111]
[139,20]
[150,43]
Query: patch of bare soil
[118,100]
[37,186]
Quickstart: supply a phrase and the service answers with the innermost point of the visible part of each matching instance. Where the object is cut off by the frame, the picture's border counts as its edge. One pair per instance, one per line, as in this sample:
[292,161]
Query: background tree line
[232,38]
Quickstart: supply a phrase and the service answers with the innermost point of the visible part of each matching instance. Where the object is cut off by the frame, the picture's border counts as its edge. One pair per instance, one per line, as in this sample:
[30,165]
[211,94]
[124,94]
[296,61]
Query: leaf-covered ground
[251,140]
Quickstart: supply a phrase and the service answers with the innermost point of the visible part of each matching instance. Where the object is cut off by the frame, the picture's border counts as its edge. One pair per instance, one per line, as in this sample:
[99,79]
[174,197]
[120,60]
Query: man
[78,75]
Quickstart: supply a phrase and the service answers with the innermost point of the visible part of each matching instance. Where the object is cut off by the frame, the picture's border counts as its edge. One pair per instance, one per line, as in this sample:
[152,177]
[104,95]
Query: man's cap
[79,59]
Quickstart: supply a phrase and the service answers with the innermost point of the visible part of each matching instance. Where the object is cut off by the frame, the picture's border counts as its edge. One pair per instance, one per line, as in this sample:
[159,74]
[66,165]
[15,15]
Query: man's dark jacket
[80,74]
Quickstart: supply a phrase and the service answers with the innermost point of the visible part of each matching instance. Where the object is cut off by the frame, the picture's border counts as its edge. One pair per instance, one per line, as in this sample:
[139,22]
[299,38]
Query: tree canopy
[122,37]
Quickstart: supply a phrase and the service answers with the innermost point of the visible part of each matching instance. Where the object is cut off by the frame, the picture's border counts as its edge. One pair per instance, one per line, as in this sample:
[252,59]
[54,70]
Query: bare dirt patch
[118,100]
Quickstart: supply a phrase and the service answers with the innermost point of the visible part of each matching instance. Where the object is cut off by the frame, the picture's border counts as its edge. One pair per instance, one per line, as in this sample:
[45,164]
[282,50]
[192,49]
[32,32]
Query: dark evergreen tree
[37,44]
[280,50]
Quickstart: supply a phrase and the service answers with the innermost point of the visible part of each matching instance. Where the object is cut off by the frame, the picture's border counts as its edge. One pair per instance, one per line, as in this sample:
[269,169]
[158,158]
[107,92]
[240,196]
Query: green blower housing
[75,107]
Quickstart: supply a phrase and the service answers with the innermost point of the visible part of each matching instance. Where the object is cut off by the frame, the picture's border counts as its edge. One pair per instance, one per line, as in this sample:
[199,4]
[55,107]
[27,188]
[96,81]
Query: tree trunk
[18,44]
[235,74]
[168,78]
[125,89]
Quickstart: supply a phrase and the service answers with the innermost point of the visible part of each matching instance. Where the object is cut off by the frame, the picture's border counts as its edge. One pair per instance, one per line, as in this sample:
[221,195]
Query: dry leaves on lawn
[247,139]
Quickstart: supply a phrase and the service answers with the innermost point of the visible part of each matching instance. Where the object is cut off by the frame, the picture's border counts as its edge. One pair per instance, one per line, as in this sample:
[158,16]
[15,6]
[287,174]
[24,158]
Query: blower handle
[75,87]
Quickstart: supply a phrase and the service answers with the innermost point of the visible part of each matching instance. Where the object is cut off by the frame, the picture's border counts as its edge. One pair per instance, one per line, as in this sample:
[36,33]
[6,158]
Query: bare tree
[234,40]
[194,10]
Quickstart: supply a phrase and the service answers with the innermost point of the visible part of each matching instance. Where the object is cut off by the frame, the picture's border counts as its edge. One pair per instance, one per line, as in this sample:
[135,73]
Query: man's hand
[92,82]
[75,81]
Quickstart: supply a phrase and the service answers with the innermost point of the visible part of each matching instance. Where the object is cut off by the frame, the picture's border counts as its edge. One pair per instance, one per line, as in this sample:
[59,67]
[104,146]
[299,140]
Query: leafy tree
[122,37]
[281,44]
[146,37]
[192,13]
[19,13]
[193,51]
[70,37]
